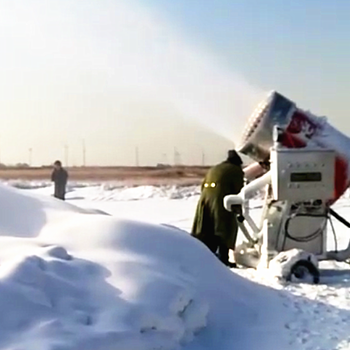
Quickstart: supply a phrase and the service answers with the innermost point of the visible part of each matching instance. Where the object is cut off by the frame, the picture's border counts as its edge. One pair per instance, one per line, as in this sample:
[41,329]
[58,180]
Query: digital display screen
[305,177]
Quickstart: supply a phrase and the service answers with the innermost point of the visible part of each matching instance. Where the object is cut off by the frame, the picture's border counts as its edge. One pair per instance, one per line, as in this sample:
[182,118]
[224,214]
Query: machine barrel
[253,171]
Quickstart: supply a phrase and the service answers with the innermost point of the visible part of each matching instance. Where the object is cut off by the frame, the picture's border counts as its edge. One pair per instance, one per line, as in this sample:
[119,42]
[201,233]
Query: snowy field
[72,278]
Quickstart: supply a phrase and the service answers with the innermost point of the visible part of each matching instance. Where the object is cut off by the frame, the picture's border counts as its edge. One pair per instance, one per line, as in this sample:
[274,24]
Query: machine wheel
[304,268]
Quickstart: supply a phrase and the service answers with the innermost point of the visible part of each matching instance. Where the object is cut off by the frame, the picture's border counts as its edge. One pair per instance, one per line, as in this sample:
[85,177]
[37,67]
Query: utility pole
[164,159]
[137,163]
[203,158]
[177,159]
[66,149]
[84,154]
[30,151]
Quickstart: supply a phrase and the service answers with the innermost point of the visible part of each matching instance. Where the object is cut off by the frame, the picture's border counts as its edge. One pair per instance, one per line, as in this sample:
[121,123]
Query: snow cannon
[297,129]
[302,167]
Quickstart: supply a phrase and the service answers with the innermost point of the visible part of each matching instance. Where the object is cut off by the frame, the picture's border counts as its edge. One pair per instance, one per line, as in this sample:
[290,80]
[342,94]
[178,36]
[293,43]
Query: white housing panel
[302,174]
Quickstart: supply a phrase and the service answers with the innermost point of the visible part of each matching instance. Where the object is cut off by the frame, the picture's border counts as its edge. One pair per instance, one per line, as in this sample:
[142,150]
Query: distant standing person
[59,177]
[216,227]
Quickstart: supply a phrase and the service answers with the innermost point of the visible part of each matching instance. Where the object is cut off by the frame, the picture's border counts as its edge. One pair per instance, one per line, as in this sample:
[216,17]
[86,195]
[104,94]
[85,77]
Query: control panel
[302,174]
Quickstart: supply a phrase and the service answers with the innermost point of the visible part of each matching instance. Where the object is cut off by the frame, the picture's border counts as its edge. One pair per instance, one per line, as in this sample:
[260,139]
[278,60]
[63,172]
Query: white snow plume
[71,280]
[115,63]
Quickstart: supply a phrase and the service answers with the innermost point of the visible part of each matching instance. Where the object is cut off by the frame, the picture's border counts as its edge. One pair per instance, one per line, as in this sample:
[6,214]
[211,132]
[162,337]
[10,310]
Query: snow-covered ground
[73,278]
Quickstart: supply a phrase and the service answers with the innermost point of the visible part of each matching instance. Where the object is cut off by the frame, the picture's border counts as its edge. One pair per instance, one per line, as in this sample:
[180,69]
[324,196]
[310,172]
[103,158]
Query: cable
[343,221]
[334,234]
[309,237]
[318,231]
[339,218]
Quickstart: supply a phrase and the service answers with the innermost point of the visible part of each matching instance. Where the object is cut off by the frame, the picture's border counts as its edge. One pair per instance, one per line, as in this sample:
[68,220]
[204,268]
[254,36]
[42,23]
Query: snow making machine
[302,166]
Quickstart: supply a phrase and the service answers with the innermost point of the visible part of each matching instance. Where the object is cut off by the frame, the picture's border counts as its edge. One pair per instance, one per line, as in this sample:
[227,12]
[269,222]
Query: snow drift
[73,279]
[112,192]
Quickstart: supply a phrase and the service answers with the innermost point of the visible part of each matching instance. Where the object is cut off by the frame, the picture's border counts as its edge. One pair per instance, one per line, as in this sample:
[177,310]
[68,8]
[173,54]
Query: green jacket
[211,217]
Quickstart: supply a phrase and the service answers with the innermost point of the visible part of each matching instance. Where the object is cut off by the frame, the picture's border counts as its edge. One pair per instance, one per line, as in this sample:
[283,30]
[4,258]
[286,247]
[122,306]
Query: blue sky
[301,48]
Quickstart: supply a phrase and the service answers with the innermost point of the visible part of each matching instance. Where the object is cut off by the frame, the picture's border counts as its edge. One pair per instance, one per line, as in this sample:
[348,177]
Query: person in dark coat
[216,227]
[59,177]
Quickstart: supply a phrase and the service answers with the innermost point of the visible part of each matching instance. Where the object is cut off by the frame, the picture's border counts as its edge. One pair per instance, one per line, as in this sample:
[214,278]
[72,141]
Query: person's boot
[224,257]
[226,262]
[232,265]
